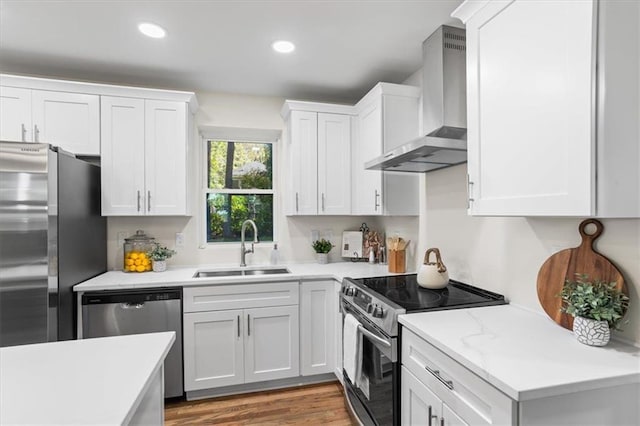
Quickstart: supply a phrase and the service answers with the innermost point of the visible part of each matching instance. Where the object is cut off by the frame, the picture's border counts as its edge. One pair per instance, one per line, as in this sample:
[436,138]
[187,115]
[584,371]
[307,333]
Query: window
[239,187]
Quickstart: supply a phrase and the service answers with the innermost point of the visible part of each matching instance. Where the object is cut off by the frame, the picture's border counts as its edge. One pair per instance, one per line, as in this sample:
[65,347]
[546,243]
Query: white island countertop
[524,354]
[183,276]
[79,382]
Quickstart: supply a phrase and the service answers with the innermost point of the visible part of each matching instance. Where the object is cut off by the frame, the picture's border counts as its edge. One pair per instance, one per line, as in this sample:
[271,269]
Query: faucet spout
[243,250]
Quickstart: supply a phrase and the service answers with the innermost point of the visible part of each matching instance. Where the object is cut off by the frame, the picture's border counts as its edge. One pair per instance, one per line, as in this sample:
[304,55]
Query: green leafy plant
[598,300]
[322,246]
[160,253]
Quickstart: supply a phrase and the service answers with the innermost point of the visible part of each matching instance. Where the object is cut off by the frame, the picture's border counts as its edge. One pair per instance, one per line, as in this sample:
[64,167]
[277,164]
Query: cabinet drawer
[239,296]
[470,397]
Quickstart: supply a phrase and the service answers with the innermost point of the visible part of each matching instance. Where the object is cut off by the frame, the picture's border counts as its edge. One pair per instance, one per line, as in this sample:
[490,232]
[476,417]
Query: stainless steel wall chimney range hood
[444,109]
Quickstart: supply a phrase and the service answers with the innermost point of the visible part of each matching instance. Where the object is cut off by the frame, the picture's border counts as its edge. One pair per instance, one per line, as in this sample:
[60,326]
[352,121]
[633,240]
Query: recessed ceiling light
[152,30]
[283,46]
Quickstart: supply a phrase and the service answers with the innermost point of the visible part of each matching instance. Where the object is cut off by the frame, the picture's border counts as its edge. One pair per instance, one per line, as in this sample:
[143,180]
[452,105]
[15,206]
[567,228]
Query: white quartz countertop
[79,382]
[524,354]
[183,276]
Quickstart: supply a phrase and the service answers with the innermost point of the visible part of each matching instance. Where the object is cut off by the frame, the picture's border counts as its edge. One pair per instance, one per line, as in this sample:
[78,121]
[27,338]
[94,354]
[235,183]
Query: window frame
[269,138]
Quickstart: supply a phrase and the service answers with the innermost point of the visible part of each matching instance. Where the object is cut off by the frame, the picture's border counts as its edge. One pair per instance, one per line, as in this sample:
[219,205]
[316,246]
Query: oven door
[374,399]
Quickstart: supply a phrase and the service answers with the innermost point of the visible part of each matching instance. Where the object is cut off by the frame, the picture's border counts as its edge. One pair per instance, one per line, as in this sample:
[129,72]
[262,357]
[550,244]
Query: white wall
[293,234]
[504,254]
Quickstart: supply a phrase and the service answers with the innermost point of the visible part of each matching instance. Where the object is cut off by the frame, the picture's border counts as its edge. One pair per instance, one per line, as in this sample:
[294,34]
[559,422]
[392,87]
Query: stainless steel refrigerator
[52,237]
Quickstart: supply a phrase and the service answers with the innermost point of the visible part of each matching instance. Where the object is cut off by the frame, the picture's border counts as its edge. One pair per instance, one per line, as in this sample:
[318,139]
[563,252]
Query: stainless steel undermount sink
[240,272]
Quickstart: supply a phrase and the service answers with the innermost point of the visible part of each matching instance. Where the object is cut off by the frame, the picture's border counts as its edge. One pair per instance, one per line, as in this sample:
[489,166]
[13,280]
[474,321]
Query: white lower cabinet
[213,349]
[271,343]
[438,391]
[317,331]
[234,346]
[420,406]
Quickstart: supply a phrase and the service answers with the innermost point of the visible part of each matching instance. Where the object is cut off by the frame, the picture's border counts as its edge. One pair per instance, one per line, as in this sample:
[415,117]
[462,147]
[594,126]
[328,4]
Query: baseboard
[259,386]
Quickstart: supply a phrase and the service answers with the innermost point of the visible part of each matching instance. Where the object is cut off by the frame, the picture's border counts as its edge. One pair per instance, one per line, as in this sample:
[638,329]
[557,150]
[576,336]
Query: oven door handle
[373,337]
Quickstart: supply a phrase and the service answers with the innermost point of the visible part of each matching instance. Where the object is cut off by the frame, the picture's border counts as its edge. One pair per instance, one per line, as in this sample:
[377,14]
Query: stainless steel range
[376,303]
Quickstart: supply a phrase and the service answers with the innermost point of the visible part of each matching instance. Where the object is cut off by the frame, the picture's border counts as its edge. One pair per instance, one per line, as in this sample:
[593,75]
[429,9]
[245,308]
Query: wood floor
[321,404]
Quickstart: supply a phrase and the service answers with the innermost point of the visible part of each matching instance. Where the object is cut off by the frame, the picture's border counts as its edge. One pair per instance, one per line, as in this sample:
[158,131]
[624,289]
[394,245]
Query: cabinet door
[165,163]
[367,184]
[15,114]
[449,418]
[213,349]
[530,119]
[272,343]
[337,324]
[68,120]
[122,156]
[317,340]
[419,406]
[334,164]
[303,162]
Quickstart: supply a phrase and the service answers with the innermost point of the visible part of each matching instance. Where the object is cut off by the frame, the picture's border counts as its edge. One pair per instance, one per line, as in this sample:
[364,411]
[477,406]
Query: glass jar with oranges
[136,248]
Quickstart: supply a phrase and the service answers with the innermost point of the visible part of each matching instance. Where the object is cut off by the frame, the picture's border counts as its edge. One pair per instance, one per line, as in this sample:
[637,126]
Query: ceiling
[343,47]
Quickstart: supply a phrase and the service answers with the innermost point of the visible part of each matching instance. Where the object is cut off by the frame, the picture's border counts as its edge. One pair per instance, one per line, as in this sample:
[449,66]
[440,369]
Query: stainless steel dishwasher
[122,312]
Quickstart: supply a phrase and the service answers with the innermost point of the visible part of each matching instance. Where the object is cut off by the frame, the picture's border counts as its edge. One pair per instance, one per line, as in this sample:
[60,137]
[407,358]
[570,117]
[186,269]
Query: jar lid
[139,236]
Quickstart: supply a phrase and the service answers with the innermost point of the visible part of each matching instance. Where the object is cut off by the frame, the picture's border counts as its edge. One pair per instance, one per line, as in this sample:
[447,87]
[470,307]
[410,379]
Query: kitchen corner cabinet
[387,117]
[553,118]
[144,157]
[319,158]
[68,120]
[317,332]
[243,333]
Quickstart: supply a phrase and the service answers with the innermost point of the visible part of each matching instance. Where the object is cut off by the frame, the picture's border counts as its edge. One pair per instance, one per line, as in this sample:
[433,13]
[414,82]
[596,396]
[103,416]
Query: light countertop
[81,382]
[183,276]
[524,354]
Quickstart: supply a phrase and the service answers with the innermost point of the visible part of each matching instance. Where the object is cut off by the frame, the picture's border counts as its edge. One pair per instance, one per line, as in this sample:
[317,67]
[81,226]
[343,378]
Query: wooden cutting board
[564,265]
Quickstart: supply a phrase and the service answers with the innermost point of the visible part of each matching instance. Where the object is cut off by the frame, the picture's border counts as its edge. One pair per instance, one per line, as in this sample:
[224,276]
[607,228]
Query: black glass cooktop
[405,291]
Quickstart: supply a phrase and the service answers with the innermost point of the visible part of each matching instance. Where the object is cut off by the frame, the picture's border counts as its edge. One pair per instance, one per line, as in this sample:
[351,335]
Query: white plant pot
[591,332]
[159,265]
[323,258]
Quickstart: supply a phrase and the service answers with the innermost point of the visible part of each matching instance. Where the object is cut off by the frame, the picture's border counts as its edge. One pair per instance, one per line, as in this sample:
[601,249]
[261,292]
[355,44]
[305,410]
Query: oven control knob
[377,312]
[350,291]
[369,308]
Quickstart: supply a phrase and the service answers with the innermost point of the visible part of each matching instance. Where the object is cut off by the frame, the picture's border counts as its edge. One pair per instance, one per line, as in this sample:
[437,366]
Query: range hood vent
[444,106]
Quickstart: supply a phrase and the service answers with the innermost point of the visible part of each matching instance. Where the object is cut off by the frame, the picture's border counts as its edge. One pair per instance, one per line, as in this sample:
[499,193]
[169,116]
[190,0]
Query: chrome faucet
[243,250]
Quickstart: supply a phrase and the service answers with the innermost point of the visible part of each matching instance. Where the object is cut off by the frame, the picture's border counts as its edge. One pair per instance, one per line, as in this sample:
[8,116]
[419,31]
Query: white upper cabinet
[553,107]
[68,120]
[15,114]
[387,117]
[144,152]
[319,158]
[334,164]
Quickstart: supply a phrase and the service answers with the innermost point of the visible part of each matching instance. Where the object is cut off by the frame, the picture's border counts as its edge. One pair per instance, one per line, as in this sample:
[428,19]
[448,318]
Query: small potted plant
[597,306]
[322,247]
[159,255]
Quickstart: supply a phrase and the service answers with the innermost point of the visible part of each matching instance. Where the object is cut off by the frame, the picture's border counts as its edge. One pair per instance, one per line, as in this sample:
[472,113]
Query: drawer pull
[436,373]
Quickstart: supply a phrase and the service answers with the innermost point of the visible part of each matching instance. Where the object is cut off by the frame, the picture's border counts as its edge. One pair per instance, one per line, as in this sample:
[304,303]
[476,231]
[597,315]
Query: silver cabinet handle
[323,201]
[436,373]
[23,131]
[376,203]
[138,200]
[148,201]
[36,133]
[238,326]
[297,204]
[248,325]
[430,415]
